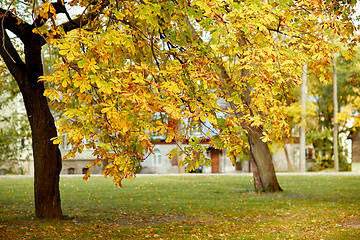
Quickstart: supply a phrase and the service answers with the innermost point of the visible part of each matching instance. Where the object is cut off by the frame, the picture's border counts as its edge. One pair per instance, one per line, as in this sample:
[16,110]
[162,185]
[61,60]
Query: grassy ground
[188,207]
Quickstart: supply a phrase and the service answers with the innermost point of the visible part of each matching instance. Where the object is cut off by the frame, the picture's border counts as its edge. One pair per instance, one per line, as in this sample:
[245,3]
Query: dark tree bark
[47,156]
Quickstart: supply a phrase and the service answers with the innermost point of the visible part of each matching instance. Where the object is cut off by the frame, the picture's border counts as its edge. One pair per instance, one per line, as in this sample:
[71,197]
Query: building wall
[355,165]
[151,165]
[291,162]
[78,164]
[160,163]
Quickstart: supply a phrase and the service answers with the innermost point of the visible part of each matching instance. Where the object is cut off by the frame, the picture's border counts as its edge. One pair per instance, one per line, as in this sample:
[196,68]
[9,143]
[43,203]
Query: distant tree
[348,97]
[319,119]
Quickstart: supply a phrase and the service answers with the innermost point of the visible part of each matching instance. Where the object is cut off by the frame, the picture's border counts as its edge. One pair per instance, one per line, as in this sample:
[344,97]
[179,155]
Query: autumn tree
[25,27]
[231,65]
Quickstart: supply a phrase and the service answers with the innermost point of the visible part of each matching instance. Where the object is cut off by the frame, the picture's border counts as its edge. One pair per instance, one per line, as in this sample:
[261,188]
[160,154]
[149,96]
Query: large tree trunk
[47,156]
[264,170]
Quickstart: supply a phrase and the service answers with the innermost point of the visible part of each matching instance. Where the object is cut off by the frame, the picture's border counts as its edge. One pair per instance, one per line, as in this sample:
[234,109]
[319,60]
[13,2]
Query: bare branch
[84,19]
[13,23]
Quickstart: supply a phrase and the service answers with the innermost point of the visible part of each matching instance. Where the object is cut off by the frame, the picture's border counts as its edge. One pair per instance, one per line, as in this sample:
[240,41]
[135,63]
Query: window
[157,158]
[71,171]
[85,170]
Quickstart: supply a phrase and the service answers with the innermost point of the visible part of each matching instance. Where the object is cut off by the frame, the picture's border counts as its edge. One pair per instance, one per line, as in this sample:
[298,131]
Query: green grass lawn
[187,207]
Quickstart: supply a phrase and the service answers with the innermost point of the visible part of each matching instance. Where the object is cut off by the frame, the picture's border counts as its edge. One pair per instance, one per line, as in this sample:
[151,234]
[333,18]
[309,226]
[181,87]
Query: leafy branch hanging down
[229,64]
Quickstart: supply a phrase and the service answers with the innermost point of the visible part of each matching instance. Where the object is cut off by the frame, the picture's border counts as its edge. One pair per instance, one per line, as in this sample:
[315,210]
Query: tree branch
[40,20]
[13,23]
[11,57]
[84,19]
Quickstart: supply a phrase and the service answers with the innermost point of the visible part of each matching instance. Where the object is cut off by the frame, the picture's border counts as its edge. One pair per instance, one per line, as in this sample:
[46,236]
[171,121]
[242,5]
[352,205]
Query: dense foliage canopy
[141,67]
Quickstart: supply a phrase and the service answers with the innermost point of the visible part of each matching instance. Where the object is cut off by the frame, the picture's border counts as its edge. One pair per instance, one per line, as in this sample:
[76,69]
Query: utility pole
[179,147]
[335,136]
[302,166]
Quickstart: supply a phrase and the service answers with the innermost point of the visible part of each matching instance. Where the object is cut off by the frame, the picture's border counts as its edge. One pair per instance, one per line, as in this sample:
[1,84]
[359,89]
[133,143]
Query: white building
[160,162]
